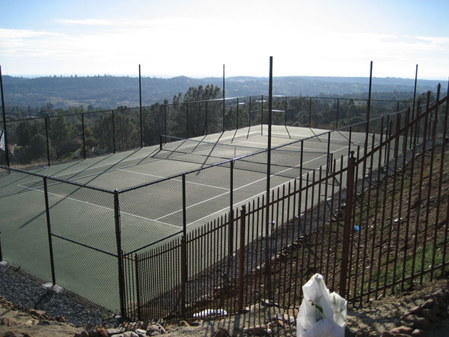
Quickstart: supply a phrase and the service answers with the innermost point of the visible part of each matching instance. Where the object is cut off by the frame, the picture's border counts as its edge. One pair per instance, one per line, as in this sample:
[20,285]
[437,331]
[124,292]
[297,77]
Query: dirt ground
[372,319]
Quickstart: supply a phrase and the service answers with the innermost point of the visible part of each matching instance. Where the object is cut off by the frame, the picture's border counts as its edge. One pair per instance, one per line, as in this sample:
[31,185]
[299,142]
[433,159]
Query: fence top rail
[6,168]
[220,99]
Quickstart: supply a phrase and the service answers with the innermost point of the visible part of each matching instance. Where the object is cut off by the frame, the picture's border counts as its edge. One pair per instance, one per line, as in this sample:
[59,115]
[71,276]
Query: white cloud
[86,22]
[172,46]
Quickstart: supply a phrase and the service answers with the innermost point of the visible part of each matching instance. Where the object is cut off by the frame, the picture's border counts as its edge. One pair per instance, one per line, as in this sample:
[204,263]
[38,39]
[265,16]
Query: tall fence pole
[224,99]
[268,227]
[184,249]
[1,254]
[84,135]
[347,226]
[113,131]
[118,238]
[242,258]
[368,108]
[4,119]
[47,137]
[50,241]
[140,108]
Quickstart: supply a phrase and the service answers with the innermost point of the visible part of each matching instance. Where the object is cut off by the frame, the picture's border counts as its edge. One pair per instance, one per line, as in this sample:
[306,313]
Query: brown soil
[372,319]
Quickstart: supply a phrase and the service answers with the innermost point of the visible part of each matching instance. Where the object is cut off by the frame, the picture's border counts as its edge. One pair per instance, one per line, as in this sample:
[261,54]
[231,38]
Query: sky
[195,38]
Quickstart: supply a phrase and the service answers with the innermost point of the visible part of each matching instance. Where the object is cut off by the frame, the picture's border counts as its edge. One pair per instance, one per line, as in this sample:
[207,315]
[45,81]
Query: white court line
[99,206]
[261,193]
[179,180]
[236,189]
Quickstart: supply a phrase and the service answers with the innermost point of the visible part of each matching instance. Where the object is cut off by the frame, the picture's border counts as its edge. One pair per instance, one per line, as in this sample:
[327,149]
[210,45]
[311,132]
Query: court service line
[99,206]
[238,188]
[261,193]
[179,180]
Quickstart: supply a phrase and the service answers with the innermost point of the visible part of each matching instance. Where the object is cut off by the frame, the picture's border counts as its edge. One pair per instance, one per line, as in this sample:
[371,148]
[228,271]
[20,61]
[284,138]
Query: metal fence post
[118,238]
[50,242]
[184,249]
[48,140]
[347,225]
[310,112]
[84,136]
[242,257]
[1,254]
[4,118]
[136,266]
[140,109]
[113,131]
[338,110]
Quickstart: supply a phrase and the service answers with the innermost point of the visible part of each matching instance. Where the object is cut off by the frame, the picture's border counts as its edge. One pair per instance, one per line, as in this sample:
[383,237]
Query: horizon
[28,76]
[195,38]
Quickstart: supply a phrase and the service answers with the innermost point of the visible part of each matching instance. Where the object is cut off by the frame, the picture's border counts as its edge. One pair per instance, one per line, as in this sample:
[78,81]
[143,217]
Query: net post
[160,142]
[50,242]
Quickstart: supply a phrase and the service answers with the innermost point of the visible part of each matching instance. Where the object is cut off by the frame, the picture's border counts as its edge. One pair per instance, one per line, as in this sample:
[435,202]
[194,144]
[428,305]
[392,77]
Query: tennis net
[286,160]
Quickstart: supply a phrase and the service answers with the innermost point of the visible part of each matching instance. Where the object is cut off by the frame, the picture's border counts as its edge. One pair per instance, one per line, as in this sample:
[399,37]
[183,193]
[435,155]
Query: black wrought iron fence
[377,222]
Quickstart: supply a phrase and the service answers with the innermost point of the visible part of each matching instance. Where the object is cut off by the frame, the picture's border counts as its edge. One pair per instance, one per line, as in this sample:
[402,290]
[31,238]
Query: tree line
[58,135]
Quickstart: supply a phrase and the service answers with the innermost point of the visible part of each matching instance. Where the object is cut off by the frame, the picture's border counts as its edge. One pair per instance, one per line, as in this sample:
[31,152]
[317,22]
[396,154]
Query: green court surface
[82,215]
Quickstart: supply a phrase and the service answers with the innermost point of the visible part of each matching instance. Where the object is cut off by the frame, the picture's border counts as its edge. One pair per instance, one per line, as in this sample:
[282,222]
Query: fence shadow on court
[376,223]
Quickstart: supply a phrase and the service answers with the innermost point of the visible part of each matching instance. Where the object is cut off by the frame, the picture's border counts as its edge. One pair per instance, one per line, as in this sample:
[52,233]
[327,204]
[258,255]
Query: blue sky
[196,37]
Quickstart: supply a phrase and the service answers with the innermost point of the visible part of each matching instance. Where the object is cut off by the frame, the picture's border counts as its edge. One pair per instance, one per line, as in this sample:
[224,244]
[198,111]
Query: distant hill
[108,92]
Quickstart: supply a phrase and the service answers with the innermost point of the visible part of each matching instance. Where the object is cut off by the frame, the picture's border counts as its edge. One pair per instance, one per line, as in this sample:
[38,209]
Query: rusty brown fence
[376,223]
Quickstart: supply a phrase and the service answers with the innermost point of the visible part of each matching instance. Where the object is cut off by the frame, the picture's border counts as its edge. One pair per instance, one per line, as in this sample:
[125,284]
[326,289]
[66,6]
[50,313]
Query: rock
[285,318]
[9,334]
[221,333]
[268,303]
[140,332]
[130,334]
[428,304]
[278,323]
[258,330]
[155,328]
[430,314]
[419,333]
[102,332]
[116,331]
[40,314]
[416,322]
[402,329]
[8,322]
[387,334]
[60,319]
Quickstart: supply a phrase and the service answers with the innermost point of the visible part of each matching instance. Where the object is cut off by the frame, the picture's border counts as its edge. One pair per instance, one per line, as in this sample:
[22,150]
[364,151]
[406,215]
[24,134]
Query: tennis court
[159,188]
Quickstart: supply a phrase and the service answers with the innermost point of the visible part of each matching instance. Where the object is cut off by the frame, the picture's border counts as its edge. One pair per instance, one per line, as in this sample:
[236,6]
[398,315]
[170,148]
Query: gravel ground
[26,293]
